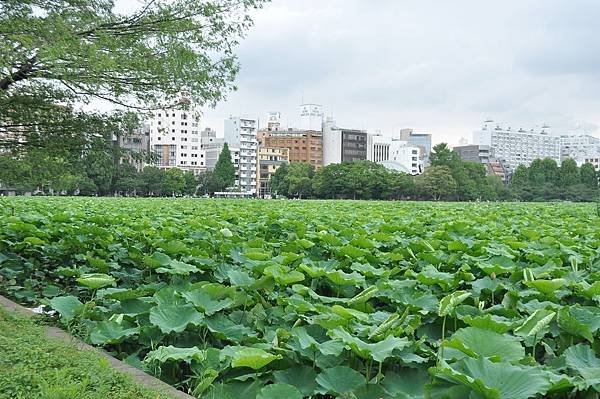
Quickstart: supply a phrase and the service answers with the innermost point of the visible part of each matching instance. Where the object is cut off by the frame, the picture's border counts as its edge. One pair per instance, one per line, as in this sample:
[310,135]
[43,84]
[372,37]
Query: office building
[269,160]
[303,145]
[421,140]
[240,135]
[378,147]
[343,145]
[404,158]
[273,121]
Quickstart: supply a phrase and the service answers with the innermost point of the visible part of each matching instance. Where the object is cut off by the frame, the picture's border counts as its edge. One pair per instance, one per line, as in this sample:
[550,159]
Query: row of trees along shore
[448,178]
[101,172]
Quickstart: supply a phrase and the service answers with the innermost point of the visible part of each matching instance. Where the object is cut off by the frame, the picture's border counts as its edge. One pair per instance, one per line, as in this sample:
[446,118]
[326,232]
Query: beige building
[304,145]
[269,160]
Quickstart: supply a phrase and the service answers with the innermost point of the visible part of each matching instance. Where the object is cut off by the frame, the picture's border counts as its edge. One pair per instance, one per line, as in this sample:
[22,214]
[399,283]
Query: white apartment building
[175,138]
[577,146]
[518,146]
[240,135]
[404,157]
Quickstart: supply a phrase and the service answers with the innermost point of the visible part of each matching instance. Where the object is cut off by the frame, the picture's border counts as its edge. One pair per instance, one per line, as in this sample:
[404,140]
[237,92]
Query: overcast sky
[438,66]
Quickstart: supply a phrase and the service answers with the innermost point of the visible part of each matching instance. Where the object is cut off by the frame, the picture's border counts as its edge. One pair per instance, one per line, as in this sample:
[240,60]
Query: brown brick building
[303,145]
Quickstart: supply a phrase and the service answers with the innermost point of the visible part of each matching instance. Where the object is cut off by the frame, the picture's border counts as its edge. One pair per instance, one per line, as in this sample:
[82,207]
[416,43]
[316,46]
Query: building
[482,154]
[269,160]
[209,139]
[513,147]
[421,140]
[474,153]
[343,145]
[572,145]
[303,145]
[403,157]
[136,146]
[175,137]
[311,117]
[241,135]
[273,121]
[378,147]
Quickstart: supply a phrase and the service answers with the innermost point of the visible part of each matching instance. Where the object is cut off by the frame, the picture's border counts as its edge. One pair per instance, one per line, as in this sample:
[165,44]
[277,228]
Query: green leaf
[339,380]
[96,280]
[582,359]
[33,241]
[166,353]
[110,332]
[546,287]
[226,232]
[535,323]
[378,351]
[67,306]
[252,357]
[158,259]
[475,342]
[571,325]
[489,322]
[495,380]
[174,318]
[449,302]
[177,267]
[240,278]
[302,377]
[204,301]
[406,384]
[279,391]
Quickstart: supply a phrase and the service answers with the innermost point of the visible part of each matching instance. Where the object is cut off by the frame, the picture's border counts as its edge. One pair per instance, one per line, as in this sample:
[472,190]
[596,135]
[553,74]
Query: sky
[440,67]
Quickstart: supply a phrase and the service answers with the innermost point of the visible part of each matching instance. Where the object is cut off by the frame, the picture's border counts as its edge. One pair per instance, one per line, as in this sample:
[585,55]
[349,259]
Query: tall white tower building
[175,137]
[240,135]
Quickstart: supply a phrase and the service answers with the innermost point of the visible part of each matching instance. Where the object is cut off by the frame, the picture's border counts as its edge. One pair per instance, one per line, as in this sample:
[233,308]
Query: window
[184,139]
[184,147]
[183,154]
[159,122]
[158,138]
[173,138]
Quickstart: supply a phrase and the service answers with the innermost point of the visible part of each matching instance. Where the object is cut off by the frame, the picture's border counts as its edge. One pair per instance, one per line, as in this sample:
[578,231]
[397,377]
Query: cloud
[438,66]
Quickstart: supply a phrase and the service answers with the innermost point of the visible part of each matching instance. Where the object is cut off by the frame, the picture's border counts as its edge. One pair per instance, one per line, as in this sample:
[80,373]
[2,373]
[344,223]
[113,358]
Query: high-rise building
[513,147]
[240,134]
[175,139]
[269,160]
[421,140]
[311,117]
[209,139]
[343,145]
[304,145]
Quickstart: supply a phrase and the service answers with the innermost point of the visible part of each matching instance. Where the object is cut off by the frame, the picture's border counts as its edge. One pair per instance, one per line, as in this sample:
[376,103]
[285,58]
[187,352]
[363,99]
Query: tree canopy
[59,54]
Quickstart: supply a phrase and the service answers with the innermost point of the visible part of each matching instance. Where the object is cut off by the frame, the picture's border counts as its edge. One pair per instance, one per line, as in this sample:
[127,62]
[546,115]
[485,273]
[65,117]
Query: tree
[299,180]
[569,173]
[152,181]
[223,175]
[588,176]
[69,52]
[442,155]
[436,183]
[191,185]
[174,182]
[205,182]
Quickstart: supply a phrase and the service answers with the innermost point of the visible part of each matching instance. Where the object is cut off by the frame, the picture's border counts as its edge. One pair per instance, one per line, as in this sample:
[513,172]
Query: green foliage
[223,176]
[321,299]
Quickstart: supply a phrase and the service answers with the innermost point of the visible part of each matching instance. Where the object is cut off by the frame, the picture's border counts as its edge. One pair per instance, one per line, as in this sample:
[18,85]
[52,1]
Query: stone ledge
[137,375]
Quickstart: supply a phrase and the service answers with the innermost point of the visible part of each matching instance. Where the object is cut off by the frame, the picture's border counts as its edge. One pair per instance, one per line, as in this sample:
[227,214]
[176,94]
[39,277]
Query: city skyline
[440,68]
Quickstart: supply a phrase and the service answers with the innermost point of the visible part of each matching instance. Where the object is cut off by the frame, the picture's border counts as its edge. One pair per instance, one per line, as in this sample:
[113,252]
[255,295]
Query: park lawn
[35,366]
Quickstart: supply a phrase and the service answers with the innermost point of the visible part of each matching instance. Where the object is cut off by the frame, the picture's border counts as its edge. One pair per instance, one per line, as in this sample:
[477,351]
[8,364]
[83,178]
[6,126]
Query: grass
[34,366]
